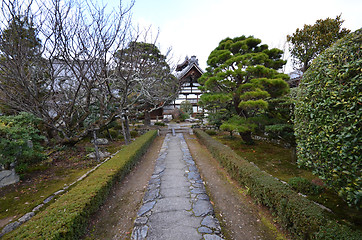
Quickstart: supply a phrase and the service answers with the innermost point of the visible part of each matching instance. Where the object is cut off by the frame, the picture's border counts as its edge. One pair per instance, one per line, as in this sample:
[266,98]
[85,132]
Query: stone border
[26,217]
[201,206]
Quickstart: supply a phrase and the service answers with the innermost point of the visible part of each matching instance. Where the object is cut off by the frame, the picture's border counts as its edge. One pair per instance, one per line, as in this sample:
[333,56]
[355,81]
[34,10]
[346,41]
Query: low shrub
[160,124]
[67,217]
[301,217]
[20,141]
[304,186]
[211,132]
[134,134]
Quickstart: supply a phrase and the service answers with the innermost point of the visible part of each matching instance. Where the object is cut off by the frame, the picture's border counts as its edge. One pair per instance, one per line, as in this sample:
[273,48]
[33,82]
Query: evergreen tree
[241,77]
[22,73]
[307,43]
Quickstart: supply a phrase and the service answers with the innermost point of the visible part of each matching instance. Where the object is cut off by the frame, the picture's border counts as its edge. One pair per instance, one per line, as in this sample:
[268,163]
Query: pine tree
[241,77]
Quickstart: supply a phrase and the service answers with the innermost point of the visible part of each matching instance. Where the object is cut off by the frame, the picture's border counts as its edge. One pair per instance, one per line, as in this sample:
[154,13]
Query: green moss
[25,199]
[276,161]
[302,218]
[269,157]
[67,217]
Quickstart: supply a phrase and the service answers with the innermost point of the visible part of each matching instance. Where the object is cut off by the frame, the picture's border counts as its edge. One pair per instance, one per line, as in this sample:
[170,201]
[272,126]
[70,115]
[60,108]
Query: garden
[73,91]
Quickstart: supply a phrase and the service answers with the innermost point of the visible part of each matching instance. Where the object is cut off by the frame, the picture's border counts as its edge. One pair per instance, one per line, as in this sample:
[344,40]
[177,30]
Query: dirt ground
[115,218]
[239,216]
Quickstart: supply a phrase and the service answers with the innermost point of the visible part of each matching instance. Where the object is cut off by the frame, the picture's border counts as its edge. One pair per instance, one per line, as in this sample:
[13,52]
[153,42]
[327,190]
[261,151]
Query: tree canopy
[241,77]
[89,68]
[307,43]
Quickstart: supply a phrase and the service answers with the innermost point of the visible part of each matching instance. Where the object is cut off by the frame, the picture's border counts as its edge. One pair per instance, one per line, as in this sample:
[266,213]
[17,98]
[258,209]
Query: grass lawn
[276,160]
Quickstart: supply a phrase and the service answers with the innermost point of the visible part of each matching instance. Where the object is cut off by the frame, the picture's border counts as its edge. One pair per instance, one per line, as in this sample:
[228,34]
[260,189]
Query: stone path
[175,205]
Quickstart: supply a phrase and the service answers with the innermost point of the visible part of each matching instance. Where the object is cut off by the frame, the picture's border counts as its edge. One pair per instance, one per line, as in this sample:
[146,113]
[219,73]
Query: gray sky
[195,27]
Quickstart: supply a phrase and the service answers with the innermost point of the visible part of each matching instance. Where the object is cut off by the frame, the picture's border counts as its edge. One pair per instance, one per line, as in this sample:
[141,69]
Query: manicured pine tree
[241,77]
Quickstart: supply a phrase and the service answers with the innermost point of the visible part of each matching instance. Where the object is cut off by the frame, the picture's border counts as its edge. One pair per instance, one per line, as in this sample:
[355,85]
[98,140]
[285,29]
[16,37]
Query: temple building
[187,73]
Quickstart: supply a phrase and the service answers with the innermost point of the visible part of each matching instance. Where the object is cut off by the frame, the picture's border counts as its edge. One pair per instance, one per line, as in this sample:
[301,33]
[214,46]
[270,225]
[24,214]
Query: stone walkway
[175,205]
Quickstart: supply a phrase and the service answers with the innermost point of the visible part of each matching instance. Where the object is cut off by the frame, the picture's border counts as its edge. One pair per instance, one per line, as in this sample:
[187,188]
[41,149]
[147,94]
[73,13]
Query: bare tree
[142,79]
[78,66]
[79,40]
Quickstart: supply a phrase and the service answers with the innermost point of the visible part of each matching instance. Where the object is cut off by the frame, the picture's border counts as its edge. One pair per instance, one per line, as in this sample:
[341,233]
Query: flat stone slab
[175,205]
[202,208]
[210,222]
[145,208]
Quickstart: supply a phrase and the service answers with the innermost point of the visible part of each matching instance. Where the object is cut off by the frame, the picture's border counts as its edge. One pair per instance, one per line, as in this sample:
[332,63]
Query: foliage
[134,133]
[307,43]
[304,186]
[211,132]
[186,107]
[301,217]
[22,70]
[241,77]
[328,118]
[183,116]
[70,213]
[162,124]
[278,120]
[20,140]
[143,80]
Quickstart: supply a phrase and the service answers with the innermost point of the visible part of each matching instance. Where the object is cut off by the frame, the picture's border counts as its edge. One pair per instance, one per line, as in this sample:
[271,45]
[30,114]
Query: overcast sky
[195,27]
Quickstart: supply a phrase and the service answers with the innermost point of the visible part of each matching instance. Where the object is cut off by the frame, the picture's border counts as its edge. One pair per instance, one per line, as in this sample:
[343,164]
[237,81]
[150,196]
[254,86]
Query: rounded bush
[328,117]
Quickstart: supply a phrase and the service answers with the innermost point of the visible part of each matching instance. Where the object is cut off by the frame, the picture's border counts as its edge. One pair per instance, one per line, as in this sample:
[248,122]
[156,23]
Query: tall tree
[21,66]
[79,39]
[144,79]
[307,43]
[241,76]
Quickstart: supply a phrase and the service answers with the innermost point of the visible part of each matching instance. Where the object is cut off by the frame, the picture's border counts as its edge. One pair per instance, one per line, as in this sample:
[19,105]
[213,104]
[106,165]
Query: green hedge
[67,218]
[327,118]
[301,217]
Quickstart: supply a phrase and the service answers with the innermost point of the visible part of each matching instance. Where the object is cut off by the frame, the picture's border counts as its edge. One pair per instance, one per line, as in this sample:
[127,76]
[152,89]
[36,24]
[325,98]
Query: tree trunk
[95,145]
[246,136]
[125,136]
[126,124]
[294,154]
[147,118]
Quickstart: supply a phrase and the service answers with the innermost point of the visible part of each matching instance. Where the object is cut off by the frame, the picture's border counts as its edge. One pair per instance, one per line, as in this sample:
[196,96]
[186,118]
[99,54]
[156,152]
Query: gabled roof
[184,68]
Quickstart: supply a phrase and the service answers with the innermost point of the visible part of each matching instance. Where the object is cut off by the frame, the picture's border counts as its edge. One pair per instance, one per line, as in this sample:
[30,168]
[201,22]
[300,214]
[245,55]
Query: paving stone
[26,217]
[203,197]
[140,233]
[10,227]
[198,190]
[48,199]
[204,230]
[159,169]
[140,221]
[210,222]
[202,208]
[145,208]
[37,207]
[212,237]
[193,176]
[151,195]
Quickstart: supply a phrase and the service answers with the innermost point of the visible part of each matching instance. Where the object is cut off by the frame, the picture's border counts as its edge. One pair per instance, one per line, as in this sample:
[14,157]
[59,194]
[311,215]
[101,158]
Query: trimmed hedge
[67,218]
[327,118]
[301,217]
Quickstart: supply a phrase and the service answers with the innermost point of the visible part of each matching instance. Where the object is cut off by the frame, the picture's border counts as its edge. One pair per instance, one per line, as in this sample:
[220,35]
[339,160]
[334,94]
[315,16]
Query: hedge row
[68,217]
[301,217]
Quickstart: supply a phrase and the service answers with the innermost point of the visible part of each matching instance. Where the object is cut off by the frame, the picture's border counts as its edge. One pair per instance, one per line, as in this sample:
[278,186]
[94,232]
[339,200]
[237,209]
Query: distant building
[295,78]
[187,73]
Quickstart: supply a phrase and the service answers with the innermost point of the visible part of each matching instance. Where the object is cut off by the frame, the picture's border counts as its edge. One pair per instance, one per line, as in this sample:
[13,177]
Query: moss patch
[276,160]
